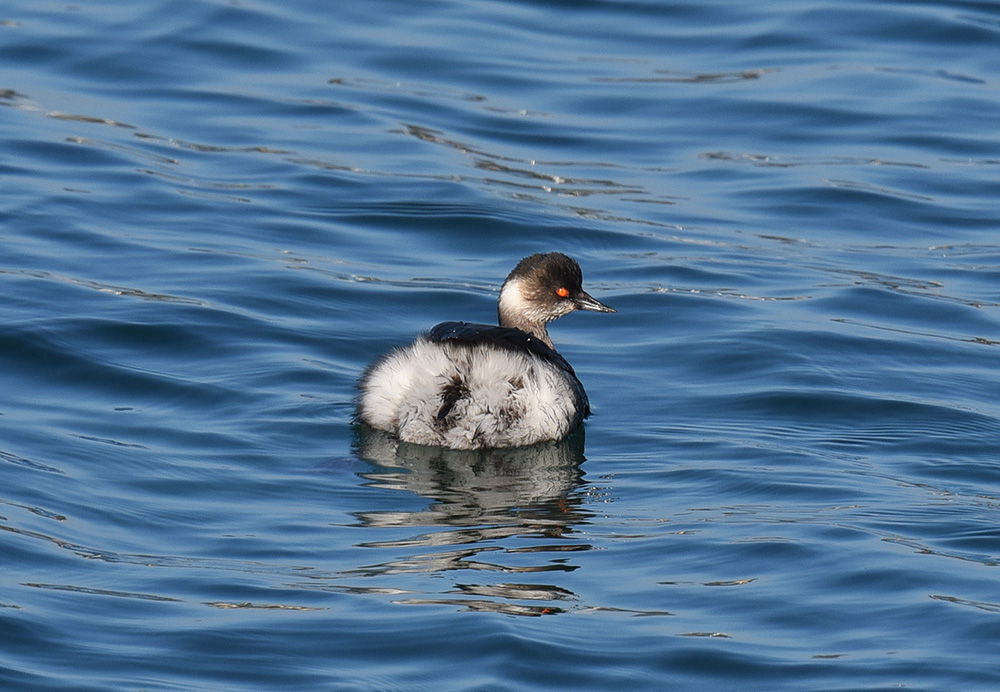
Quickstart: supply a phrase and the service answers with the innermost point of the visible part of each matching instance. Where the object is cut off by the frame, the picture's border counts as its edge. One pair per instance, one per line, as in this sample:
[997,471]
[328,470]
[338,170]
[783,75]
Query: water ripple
[216,214]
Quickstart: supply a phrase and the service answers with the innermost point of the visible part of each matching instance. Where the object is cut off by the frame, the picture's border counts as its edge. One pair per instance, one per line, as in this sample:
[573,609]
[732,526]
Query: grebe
[477,386]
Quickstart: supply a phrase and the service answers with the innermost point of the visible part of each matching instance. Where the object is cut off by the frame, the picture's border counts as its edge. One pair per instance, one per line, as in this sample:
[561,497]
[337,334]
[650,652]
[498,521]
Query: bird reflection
[483,504]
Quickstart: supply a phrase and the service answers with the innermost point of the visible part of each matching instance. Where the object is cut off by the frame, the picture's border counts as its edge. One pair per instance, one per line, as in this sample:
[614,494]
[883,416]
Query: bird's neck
[513,310]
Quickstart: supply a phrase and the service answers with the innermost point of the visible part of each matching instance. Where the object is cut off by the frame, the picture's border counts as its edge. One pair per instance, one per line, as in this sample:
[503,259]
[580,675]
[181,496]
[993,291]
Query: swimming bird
[480,386]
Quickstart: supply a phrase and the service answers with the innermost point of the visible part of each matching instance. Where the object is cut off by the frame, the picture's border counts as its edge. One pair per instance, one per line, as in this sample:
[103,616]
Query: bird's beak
[585,301]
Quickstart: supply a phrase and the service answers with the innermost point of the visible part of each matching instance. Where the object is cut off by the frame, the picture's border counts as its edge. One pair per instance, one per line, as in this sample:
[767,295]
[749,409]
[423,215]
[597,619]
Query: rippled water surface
[214,214]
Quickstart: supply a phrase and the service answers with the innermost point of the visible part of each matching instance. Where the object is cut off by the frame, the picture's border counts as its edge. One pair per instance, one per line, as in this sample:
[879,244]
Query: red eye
[562,292]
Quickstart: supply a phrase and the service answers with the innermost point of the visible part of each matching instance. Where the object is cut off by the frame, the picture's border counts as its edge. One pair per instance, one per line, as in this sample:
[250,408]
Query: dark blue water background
[213,214]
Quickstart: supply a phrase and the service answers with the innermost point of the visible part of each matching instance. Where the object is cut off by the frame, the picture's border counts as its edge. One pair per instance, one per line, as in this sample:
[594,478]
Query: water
[215,214]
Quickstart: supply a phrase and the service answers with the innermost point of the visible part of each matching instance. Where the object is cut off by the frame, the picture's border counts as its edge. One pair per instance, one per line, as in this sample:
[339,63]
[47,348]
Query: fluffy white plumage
[508,399]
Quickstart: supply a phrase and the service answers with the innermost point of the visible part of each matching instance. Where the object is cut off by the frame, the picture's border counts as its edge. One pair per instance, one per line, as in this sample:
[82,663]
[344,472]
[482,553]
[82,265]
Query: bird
[478,386]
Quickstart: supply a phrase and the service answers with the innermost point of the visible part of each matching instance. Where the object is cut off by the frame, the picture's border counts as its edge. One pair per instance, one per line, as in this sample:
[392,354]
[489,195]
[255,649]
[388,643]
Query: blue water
[214,214]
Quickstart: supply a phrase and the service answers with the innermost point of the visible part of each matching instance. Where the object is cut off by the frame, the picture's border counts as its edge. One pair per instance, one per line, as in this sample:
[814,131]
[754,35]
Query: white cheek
[512,300]
[516,305]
